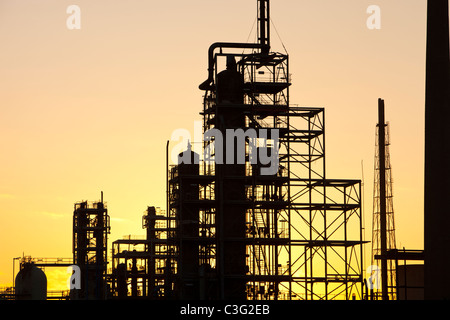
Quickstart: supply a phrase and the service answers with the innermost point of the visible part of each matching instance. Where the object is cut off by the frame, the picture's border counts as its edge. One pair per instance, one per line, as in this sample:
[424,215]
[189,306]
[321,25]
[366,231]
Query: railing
[58,294]
[134,237]
[90,205]
[46,261]
[7,293]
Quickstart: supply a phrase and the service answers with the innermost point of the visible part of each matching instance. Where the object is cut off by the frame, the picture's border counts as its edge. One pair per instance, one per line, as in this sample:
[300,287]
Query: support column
[437,153]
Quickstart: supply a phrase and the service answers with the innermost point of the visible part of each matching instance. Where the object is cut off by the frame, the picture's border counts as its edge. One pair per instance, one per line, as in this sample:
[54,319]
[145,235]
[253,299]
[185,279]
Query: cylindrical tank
[188,224]
[31,283]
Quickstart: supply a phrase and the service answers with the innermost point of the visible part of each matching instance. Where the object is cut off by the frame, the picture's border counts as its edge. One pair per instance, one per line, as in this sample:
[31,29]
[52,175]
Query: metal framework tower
[129,273]
[161,255]
[142,268]
[289,234]
[90,237]
[383,226]
[252,217]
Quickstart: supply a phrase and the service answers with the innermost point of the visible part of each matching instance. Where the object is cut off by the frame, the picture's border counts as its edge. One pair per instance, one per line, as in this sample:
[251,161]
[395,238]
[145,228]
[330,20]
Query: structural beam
[437,153]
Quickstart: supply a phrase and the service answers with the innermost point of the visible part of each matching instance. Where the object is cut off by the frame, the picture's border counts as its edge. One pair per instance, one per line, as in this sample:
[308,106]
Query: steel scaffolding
[90,242]
[141,266]
[251,214]
[383,225]
[290,234]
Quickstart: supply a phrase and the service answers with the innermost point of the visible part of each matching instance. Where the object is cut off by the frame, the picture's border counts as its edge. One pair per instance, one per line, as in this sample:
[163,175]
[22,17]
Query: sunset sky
[90,110]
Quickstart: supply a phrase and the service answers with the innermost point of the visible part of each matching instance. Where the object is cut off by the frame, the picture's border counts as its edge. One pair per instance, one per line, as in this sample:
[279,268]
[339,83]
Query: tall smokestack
[382,168]
[264,24]
[437,153]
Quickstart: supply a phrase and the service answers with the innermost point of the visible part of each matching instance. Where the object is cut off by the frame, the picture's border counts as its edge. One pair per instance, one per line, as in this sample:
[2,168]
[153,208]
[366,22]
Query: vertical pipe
[437,153]
[361,228]
[268,22]
[325,233]
[345,240]
[405,274]
[310,212]
[382,170]
[397,288]
[262,22]
[167,177]
[289,192]
[134,275]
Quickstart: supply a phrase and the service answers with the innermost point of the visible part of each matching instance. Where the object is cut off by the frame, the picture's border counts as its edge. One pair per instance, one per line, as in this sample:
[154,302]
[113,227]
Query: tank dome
[31,283]
[188,156]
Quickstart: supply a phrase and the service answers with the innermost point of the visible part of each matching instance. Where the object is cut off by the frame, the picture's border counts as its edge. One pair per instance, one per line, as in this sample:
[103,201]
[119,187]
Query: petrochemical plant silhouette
[246,229]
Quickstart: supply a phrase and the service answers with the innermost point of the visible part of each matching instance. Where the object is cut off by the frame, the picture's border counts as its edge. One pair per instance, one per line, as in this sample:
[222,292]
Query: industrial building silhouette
[230,232]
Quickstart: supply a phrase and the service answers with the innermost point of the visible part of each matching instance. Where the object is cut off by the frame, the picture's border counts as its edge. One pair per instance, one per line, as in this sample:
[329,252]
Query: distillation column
[230,187]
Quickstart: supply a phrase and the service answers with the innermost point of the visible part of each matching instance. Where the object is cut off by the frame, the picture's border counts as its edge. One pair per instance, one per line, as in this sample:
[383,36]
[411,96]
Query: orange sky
[90,110]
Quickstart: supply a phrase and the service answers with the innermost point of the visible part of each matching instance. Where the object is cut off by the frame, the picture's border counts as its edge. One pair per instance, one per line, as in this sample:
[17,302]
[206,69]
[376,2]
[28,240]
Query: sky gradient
[90,110]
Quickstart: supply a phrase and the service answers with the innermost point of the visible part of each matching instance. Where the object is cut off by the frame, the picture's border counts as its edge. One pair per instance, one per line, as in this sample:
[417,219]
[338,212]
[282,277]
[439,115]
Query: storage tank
[31,283]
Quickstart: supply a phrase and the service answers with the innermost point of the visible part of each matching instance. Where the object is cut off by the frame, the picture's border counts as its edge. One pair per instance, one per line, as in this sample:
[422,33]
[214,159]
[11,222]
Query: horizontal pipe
[206,84]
